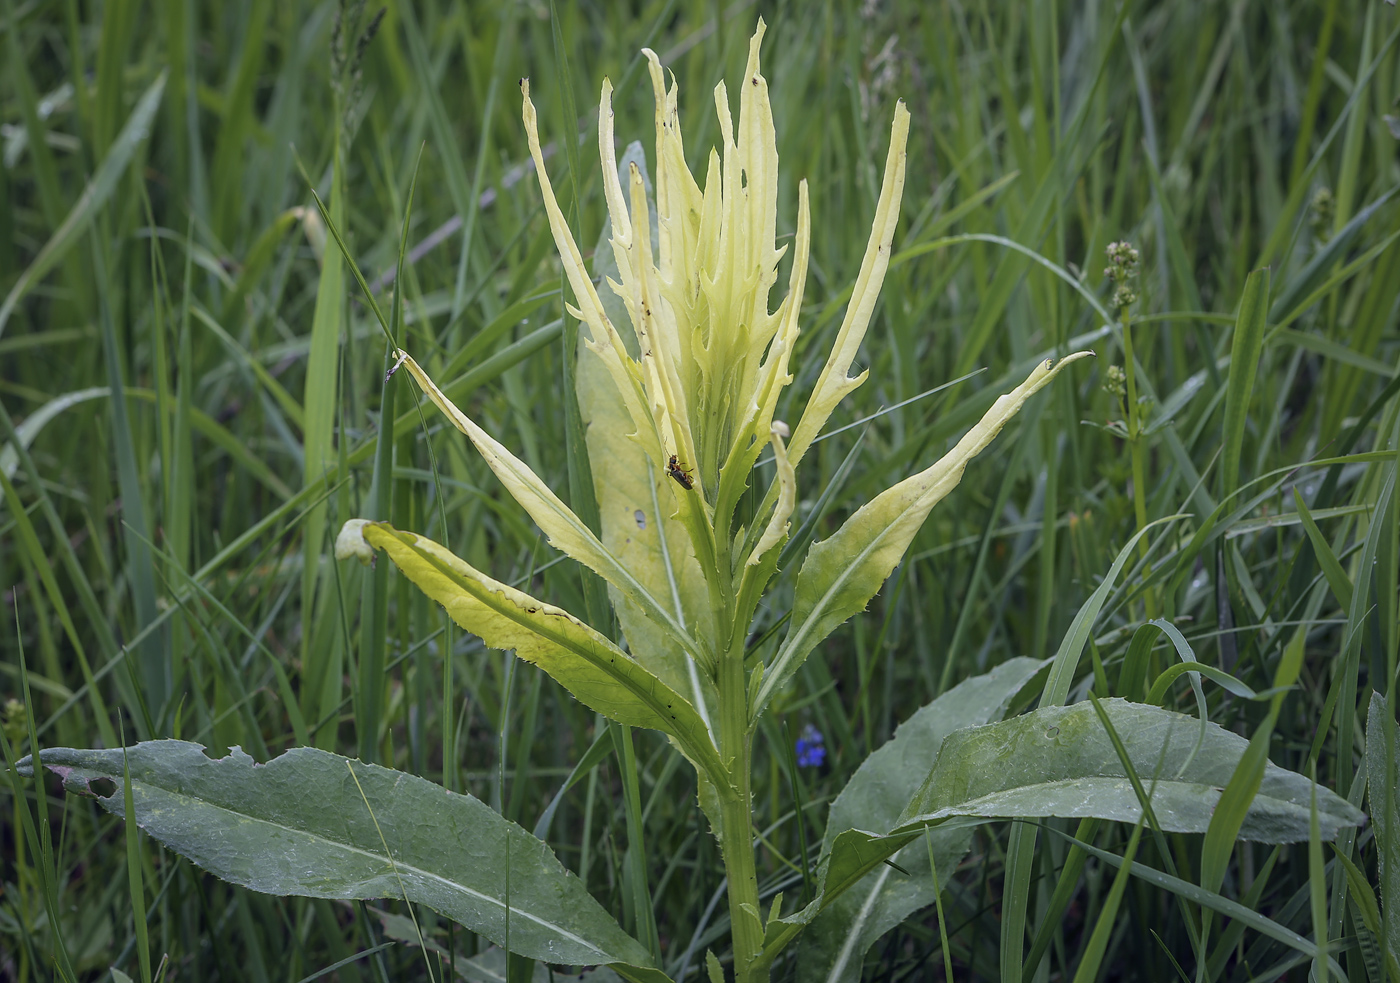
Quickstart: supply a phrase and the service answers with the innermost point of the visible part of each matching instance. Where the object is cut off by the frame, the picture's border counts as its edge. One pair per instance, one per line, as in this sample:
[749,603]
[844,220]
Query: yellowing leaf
[587,664]
[566,531]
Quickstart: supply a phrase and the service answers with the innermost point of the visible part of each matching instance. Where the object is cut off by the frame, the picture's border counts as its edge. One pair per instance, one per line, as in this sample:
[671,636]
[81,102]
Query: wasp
[681,474]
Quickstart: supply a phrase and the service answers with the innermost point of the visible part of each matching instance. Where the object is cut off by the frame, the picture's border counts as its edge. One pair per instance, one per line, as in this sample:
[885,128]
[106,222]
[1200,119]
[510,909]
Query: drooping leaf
[1059,761]
[566,531]
[842,574]
[586,663]
[315,824]
[834,946]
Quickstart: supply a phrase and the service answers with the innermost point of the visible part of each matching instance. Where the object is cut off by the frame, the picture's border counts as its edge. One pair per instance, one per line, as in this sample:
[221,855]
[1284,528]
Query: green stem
[736,801]
[1136,451]
[736,836]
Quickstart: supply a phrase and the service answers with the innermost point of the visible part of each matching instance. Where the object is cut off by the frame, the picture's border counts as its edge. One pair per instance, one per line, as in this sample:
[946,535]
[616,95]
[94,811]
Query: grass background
[193,401]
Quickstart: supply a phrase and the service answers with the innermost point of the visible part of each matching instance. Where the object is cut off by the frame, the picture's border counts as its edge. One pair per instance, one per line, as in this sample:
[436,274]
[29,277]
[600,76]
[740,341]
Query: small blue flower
[811,748]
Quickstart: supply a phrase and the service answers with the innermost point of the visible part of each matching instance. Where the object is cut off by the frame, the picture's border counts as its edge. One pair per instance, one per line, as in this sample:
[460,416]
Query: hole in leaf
[103,787]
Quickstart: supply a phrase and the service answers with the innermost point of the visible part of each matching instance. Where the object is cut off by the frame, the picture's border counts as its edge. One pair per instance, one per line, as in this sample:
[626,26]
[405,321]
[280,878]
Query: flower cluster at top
[1122,266]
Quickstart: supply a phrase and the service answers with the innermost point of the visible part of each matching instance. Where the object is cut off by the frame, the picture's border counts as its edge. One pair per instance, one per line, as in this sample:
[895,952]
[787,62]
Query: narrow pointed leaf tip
[777,529]
[712,357]
[833,384]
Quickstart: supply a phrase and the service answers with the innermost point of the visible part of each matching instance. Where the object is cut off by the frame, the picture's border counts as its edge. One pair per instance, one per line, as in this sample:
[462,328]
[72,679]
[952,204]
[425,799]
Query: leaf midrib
[960,809]
[395,866]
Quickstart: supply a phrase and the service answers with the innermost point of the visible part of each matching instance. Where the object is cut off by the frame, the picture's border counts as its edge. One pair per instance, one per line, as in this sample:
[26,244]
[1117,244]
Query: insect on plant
[681,473]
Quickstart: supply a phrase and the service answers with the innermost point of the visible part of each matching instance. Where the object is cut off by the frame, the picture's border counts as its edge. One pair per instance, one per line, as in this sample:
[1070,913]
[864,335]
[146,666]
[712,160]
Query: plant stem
[736,836]
[1135,449]
[735,746]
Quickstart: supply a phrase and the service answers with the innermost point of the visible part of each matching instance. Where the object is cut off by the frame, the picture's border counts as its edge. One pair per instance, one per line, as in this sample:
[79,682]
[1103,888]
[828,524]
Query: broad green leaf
[834,947]
[1059,761]
[315,824]
[587,664]
[566,531]
[90,202]
[833,384]
[1383,790]
[842,574]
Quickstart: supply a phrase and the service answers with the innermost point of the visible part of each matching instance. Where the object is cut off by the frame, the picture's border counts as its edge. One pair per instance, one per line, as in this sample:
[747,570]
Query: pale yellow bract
[713,359]
[699,396]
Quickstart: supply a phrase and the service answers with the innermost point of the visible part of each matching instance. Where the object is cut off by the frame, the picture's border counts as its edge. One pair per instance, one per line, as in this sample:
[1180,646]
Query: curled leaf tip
[351,542]
[1050,363]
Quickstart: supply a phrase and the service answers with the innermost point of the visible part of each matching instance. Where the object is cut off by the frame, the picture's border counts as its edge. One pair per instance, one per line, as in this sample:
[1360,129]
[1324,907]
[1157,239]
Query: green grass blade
[320,400]
[1092,960]
[104,182]
[1245,349]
